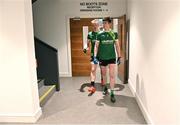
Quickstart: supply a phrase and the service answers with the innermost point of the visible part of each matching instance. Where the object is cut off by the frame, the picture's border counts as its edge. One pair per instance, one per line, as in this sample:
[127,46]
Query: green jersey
[106,48]
[92,36]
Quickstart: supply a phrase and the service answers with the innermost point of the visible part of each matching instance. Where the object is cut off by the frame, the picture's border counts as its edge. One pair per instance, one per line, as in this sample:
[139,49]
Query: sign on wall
[93,6]
[85,34]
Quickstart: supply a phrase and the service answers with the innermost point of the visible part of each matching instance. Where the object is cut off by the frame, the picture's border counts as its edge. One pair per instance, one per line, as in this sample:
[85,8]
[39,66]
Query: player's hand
[85,50]
[119,60]
[95,60]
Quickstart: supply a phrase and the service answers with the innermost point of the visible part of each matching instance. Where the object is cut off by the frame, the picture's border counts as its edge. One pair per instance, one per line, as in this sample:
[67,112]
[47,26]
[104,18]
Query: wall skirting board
[20,118]
[65,74]
[140,103]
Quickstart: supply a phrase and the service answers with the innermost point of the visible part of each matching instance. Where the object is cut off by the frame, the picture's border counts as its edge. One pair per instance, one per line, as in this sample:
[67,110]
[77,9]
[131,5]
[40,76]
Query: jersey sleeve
[89,36]
[98,37]
[116,35]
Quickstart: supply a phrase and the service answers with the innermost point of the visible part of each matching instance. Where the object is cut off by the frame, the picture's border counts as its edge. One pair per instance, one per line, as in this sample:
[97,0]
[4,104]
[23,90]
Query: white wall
[51,22]
[19,100]
[155,58]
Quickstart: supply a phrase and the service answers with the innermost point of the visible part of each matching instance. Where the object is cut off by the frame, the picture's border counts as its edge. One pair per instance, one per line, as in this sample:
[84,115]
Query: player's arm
[95,60]
[118,51]
[118,48]
[88,45]
[117,45]
[96,47]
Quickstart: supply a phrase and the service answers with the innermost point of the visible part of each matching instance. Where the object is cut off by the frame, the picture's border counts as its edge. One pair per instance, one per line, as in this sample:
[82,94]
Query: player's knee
[112,76]
[103,73]
[93,70]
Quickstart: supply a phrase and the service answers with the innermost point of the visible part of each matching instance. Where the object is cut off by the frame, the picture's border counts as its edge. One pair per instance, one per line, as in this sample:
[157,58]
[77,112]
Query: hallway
[73,105]
[152,56]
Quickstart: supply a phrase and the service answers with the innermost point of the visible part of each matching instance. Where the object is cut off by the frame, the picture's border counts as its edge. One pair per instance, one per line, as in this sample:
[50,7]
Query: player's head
[107,23]
[95,24]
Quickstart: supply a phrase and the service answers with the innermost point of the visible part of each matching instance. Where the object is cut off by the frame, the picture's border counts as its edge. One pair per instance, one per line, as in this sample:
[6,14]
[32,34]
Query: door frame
[67,18]
[69,45]
[68,38]
[86,64]
[69,73]
[126,54]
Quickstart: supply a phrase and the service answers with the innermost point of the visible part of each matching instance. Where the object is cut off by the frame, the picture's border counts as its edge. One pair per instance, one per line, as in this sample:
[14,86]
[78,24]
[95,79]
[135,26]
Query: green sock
[112,92]
[105,86]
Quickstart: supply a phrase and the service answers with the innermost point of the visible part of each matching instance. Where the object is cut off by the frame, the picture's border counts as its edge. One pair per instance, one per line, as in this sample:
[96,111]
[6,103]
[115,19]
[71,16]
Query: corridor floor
[73,105]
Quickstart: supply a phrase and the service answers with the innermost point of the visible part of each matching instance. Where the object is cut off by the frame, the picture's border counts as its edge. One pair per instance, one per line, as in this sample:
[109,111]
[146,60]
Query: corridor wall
[155,58]
[19,99]
[51,24]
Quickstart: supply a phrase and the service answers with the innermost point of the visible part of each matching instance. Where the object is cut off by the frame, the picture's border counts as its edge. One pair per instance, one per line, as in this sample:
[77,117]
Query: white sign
[85,34]
[93,6]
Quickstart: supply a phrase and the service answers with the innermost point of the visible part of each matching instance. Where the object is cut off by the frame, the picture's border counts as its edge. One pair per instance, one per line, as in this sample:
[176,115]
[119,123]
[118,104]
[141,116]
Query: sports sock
[112,91]
[92,83]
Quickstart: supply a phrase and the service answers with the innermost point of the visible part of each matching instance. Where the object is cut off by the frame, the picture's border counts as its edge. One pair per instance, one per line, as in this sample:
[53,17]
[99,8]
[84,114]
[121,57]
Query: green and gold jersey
[92,37]
[106,48]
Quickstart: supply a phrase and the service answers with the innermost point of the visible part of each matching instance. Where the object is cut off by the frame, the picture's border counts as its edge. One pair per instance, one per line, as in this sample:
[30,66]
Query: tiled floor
[72,105]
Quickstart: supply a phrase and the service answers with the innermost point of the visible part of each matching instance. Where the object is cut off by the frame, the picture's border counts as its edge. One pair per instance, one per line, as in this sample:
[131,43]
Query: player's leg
[92,89]
[93,72]
[103,73]
[112,81]
[102,82]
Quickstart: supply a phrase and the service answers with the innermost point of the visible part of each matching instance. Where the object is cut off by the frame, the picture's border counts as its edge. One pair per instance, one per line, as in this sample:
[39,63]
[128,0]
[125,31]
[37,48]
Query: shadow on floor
[133,110]
[118,87]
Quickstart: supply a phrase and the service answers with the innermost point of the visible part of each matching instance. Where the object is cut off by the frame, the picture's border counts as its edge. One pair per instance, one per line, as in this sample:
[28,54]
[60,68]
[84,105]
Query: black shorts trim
[106,62]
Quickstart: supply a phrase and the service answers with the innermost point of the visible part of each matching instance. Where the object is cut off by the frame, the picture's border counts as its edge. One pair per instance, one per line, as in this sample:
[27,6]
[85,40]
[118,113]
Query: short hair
[108,19]
[95,21]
